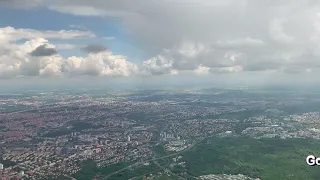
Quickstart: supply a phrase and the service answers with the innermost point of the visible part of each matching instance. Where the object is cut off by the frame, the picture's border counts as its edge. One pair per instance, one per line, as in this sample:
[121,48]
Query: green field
[165,178]
[89,170]
[267,159]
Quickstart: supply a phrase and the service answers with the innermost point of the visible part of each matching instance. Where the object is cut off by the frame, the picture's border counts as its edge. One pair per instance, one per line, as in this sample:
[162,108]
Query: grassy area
[90,170]
[159,150]
[7,163]
[136,172]
[165,178]
[56,178]
[268,159]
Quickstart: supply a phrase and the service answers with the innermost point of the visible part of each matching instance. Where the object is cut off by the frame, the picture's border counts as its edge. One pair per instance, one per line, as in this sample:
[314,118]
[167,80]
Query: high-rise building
[1,166]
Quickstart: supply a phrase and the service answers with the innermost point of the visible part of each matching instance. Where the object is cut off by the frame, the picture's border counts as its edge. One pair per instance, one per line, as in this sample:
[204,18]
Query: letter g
[311,160]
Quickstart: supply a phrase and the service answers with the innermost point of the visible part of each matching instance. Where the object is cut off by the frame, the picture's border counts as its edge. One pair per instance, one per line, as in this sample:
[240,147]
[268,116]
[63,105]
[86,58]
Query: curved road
[153,159]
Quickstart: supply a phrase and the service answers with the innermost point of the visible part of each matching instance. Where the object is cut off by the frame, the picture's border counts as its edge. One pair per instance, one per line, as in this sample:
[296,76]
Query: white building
[21,173]
[1,166]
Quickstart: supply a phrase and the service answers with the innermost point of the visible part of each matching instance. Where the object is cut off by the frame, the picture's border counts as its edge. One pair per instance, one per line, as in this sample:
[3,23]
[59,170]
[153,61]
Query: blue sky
[46,19]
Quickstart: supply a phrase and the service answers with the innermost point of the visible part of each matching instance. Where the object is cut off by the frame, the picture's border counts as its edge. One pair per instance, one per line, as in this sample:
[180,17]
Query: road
[120,170]
[153,159]
[167,170]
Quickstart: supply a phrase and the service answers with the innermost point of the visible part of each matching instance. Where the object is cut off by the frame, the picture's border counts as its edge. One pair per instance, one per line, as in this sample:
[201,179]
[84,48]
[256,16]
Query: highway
[153,159]
[167,170]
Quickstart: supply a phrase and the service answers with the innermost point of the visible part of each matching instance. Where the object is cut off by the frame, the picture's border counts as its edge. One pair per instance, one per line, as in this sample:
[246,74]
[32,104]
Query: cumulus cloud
[196,57]
[29,60]
[228,35]
[34,59]
[38,57]
[99,64]
[202,70]
[200,36]
[157,66]
[94,48]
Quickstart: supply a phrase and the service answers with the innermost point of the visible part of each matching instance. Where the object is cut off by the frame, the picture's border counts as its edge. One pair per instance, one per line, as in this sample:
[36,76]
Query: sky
[256,41]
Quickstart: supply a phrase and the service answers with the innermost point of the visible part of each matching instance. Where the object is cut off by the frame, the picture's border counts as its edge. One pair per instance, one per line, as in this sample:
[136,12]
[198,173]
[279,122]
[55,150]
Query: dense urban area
[207,134]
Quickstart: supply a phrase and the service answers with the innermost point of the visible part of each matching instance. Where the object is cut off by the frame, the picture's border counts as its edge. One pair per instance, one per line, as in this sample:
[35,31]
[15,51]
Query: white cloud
[239,43]
[195,35]
[50,69]
[17,60]
[157,66]
[231,69]
[196,57]
[253,34]
[38,57]
[100,64]
[277,32]
[189,49]
[12,34]
[202,70]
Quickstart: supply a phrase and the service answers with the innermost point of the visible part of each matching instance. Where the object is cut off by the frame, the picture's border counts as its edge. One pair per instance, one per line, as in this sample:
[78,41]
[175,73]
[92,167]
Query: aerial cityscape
[156,134]
[159,89]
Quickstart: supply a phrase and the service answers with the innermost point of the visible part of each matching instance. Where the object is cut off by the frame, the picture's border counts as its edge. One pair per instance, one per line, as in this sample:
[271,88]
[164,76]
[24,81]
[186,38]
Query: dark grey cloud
[43,50]
[94,48]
